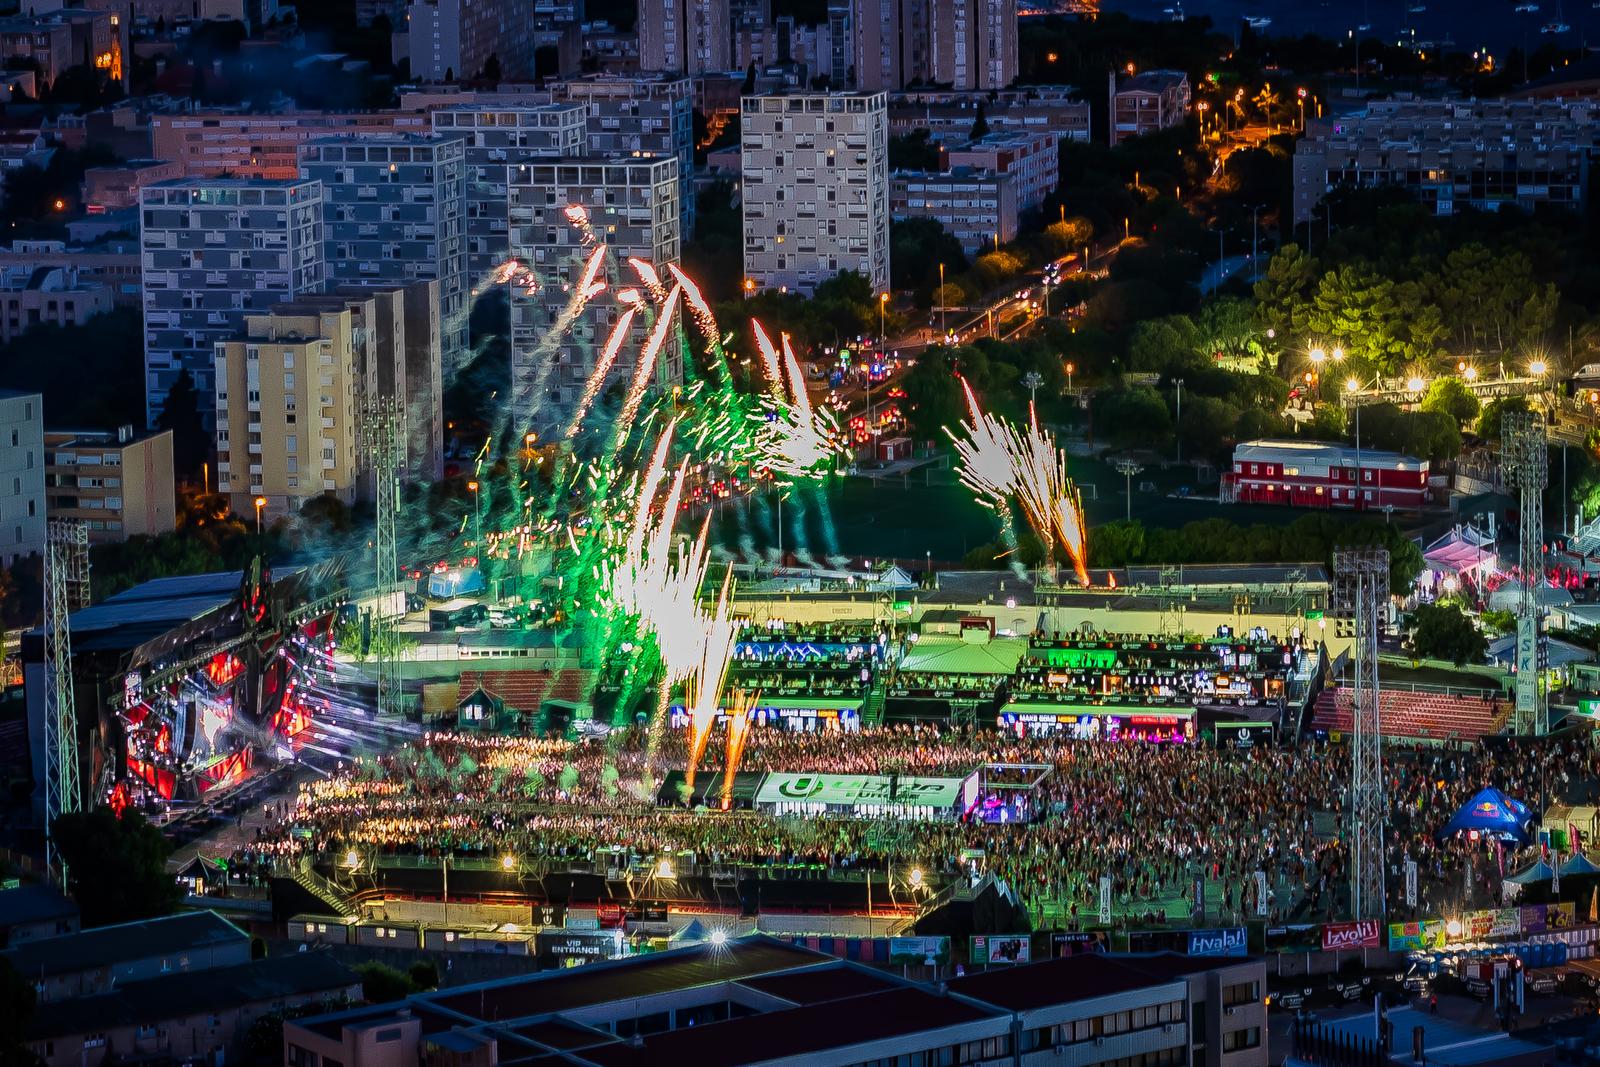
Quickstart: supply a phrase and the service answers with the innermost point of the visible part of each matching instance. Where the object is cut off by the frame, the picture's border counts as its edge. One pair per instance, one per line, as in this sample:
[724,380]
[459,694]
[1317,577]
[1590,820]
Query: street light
[1070,368]
[260,503]
[1415,384]
[749,288]
[1128,468]
[883,303]
[943,331]
[477,517]
[1178,426]
[1032,380]
[1538,367]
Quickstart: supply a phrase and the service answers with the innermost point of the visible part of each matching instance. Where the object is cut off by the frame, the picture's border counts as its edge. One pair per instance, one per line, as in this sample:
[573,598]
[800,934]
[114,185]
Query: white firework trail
[769,357]
[718,634]
[581,294]
[602,367]
[997,462]
[645,366]
[791,438]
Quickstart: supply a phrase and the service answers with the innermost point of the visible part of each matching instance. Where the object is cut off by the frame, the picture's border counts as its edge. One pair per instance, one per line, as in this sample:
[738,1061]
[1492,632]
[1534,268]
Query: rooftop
[124,942]
[195,993]
[800,1033]
[1057,981]
[34,903]
[600,983]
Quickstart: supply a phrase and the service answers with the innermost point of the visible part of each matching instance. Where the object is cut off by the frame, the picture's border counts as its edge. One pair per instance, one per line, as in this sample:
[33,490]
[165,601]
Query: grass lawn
[935,514]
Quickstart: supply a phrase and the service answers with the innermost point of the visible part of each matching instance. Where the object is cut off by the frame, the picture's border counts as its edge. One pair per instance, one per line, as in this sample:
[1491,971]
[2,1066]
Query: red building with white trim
[1314,474]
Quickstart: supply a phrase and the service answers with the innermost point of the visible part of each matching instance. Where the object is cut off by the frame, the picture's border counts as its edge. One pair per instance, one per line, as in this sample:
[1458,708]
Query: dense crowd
[1153,818]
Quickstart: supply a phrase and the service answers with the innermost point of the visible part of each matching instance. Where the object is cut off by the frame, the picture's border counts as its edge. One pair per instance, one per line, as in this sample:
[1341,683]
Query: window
[1241,993]
[1238,1040]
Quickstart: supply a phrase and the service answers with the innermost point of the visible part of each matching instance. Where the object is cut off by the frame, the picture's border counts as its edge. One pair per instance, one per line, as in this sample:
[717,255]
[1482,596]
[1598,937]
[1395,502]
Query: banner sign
[1404,937]
[1337,937]
[1302,937]
[1078,943]
[1105,900]
[848,790]
[1229,941]
[1411,883]
[1533,919]
[1000,948]
[919,950]
[577,944]
[1261,892]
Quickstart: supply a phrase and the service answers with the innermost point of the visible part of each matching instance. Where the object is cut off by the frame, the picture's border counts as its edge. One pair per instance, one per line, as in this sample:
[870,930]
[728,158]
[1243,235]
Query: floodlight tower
[66,578]
[1524,463]
[1361,583]
[380,444]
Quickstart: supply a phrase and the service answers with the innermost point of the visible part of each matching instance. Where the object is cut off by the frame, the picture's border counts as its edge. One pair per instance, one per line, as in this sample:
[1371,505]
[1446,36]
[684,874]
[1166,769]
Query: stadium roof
[108,945]
[952,655]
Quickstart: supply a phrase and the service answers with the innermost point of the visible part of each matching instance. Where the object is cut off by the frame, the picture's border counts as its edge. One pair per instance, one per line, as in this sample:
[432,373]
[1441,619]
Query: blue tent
[1493,813]
[1579,864]
[1539,872]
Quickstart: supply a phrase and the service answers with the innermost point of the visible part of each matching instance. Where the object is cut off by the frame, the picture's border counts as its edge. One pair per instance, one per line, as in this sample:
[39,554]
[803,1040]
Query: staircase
[322,889]
[872,707]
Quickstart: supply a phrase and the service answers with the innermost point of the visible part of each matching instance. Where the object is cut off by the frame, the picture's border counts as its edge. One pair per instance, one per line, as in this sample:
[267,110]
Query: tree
[1131,417]
[1451,396]
[117,867]
[491,68]
[381,983]
[980,125]
[180,413]
[1283,291]
[1489,421]
[1444,631]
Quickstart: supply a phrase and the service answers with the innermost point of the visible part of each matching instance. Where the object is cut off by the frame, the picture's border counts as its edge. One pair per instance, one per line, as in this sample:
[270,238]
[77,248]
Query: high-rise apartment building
[286,409]
[395,212]
[215,250]
[647,114]
[22,507]
[889,43]
[749,20]
[454,40]
[396,352]
[816,188]
[499,138]
[684,36]
[117,483]
[630,204]
[973,43]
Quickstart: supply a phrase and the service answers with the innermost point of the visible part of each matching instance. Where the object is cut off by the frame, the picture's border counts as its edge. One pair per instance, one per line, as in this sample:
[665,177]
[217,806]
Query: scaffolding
[1524,463]
[1361,583]
[66,579]
[380,419]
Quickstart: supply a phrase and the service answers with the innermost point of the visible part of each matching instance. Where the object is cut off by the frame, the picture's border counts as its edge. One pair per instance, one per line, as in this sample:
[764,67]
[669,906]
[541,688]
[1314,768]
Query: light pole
[1070,368]
[1255,238]
[1351,386]
[477,518]
[260,503]
[1032,380]
[1178,425]
[883,303]
[1318,358]
[749,288]
[1128,468]
[943,330]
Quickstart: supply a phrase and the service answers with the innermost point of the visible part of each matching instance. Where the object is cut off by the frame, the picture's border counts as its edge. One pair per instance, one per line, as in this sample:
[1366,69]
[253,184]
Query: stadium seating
[521,690]
[1407,714]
